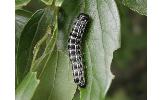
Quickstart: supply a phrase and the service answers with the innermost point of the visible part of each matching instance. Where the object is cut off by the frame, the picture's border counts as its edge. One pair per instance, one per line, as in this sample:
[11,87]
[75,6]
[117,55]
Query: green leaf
[99,43]
[32,33]
[53,70]
[68,13]
[47,2]
[24,48]
[76,95]
[58,3]
[27,87]
[56,81]
[20,3]
[49,48]
[21,18]
[102,40]
[139,6]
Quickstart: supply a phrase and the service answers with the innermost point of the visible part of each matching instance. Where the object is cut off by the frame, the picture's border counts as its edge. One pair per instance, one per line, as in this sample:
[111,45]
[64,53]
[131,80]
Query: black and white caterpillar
[74,48]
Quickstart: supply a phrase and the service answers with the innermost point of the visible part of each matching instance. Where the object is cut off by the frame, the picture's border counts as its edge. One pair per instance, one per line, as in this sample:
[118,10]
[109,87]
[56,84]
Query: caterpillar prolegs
[74,48]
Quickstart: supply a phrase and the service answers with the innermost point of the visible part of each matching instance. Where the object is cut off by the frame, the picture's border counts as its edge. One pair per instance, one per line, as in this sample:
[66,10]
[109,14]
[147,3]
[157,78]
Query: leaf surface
[25,45]
[53,69]
[27,87]
[20,3]
[47,2]
[56,81]
[21,18]
[139,6]
[102,39]
[33,31]
[58,3]
[99,42]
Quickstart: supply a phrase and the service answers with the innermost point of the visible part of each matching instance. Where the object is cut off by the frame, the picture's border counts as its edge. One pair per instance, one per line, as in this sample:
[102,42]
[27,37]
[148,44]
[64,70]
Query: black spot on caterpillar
[74,48]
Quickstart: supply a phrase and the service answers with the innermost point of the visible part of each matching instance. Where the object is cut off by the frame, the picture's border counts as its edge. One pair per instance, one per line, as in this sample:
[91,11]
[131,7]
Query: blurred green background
[130,61]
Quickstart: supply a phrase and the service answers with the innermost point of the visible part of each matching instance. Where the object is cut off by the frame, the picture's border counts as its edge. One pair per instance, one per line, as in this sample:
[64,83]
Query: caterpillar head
[83,17]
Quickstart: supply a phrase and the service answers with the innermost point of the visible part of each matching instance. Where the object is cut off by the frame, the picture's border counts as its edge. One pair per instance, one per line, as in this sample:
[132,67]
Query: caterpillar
[74,48]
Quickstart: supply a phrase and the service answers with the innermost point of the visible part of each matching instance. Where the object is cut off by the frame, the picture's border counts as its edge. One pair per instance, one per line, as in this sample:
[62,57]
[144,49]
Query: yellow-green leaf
[47,2]
[27,87]
[139,6]
[20,3]
[58,3]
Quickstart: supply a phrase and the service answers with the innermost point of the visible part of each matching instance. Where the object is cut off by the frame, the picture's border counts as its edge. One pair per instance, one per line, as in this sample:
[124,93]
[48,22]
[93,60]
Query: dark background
[130,61]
